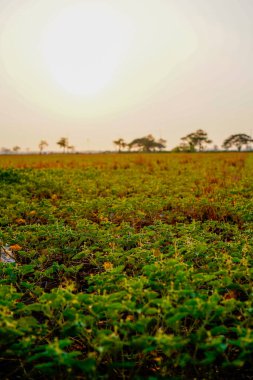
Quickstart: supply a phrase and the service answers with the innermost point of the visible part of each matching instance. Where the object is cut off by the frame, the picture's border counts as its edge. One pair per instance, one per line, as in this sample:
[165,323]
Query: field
[128,266]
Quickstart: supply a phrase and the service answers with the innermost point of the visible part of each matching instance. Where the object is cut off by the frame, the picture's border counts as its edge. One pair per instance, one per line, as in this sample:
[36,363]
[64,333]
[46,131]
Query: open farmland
[128,266]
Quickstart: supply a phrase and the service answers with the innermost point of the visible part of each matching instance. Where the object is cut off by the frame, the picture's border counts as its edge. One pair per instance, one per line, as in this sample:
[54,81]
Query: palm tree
[42,144]
[63,143]
[120,143]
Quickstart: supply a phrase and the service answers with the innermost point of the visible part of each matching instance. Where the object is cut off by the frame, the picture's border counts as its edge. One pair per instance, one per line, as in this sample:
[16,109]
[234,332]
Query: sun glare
[84,47]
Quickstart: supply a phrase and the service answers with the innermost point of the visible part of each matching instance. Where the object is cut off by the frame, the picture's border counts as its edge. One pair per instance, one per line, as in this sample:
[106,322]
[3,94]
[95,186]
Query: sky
[98,70]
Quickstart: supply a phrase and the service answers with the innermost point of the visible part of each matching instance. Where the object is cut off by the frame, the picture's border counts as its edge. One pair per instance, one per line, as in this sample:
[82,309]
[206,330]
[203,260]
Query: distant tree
[63,143]
[161,144]
[197,140]
[136,144]
[5,150]
[120,143]
[147,144]
[237,140]
[42,144]
[183,147]
[129,147]
[71,148]
[16,148]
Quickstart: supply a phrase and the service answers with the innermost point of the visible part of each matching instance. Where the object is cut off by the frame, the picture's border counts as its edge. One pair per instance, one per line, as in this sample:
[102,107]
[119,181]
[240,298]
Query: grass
[128,266]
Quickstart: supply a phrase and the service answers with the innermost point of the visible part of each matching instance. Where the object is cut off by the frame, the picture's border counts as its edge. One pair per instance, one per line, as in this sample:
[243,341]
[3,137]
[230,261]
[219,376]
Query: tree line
[193,142]
[43,144]
[145,144]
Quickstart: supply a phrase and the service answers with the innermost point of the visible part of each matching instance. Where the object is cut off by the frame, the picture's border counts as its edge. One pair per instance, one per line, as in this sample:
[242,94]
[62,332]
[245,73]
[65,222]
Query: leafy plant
[127,266]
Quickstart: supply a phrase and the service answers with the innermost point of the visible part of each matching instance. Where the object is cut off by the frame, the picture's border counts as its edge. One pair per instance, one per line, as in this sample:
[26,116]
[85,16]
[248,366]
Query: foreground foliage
[127,266]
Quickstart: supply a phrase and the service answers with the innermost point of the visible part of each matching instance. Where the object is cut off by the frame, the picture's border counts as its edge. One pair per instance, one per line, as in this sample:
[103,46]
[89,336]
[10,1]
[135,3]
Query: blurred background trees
[193,141]
[197,141]
[63,143]
[42,144]
[238,141]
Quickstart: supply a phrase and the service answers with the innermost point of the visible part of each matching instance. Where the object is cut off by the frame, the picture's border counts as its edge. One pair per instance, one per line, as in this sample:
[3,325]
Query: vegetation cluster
[132,266]
[193,142]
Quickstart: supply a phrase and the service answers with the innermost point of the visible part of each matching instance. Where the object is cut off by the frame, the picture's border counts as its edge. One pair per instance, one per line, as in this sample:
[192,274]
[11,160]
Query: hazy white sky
[97,70]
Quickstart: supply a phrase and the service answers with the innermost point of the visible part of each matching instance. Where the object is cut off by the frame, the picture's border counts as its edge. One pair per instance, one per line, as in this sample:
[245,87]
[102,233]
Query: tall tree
[197,140]
[120,143]
[63,143]
[237,140]
[42,144]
